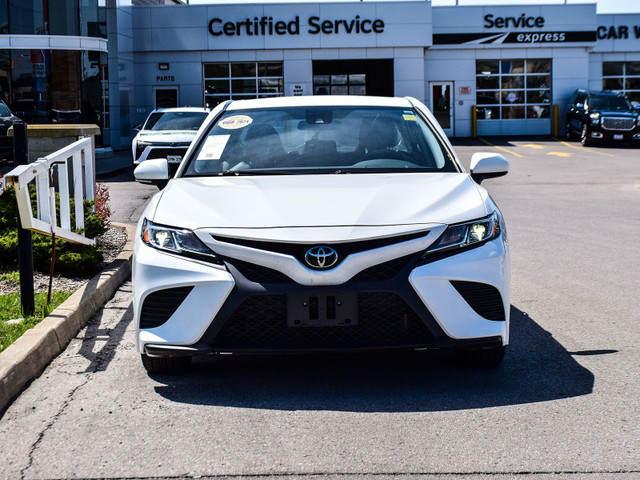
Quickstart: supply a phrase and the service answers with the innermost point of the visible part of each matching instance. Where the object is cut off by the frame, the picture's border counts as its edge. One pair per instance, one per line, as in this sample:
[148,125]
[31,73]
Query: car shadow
[536,368]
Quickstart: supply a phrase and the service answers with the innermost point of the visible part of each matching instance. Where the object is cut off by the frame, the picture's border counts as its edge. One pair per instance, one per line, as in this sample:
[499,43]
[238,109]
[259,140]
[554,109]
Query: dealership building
[513,63]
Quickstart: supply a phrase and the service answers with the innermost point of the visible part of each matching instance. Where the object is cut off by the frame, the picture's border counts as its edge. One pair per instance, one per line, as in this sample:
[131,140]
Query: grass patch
[11,308]
[12,277]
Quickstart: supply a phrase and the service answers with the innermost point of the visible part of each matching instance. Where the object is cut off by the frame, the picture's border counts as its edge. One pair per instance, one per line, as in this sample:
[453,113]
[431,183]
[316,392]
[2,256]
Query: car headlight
[467,234]
[177,240]
[595,118]
[140,146]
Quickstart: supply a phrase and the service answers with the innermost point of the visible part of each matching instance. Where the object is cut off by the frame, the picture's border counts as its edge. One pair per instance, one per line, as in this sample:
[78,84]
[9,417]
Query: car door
[576,112]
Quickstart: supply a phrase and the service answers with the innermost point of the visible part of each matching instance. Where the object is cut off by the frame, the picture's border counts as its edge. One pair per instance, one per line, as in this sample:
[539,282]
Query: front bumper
[400,305]
[610,136]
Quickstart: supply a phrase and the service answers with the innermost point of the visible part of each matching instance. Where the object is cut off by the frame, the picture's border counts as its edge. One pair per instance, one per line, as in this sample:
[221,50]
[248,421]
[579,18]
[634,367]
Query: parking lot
[563,405]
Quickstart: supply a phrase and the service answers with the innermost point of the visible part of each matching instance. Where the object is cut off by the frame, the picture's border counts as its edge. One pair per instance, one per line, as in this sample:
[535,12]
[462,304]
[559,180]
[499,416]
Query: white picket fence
[68,171]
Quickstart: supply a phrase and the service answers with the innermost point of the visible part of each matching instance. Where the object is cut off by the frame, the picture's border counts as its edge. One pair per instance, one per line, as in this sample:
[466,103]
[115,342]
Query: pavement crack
[48,426]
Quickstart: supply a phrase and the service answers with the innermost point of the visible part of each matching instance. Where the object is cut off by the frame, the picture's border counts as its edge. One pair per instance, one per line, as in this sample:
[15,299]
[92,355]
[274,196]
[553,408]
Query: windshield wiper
[237,173]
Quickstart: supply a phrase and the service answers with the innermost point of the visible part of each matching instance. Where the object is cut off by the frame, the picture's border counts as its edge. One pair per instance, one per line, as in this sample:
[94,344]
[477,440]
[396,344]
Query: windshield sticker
[235,122]
[411,118]
[213,147]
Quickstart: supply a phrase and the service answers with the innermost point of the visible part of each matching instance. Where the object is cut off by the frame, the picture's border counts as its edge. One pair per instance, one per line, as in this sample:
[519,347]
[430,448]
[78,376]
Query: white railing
[70,169]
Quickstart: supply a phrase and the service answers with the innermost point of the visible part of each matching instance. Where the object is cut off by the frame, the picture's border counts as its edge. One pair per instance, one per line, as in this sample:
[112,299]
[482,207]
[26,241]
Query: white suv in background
[167,133]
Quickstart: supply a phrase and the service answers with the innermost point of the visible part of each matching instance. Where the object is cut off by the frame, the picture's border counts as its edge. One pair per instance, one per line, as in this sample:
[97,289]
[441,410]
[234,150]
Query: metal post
[25,246]
[474,121]
[556,126]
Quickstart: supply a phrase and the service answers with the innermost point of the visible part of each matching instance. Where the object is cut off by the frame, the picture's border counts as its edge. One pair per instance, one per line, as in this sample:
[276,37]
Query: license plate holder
[322,309]
[174,158]
[618,136]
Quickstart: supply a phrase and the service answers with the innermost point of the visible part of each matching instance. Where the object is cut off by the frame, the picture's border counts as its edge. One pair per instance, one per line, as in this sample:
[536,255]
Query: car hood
[167,136]
[617,113]
[294,201]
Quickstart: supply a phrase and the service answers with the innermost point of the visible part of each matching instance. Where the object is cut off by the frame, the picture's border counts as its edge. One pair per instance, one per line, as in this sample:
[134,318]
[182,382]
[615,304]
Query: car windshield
[4,110]
[175,120]
[299,140]
[609,102]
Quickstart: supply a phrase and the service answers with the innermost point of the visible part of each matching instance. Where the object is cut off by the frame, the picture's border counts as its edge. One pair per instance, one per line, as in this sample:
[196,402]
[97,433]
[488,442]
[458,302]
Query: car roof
[608,93]
[321,101]
[181,109]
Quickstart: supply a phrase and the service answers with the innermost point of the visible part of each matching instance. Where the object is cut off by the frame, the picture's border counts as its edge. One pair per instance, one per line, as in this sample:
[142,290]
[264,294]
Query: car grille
[384,320]
[259,274]
[298,250]
[382,271]
[485,299]
[155,152]
[158,306]
[618,123]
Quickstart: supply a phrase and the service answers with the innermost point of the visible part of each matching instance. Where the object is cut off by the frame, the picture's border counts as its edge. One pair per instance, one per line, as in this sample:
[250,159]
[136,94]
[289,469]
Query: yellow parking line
[500,148]
[560,154]
[533,145]
[591,150]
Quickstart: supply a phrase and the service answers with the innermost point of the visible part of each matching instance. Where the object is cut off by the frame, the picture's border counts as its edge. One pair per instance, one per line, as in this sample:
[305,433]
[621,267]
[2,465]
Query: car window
[320,139]
[175,120]
[609,102]
[580,98]
[4,110]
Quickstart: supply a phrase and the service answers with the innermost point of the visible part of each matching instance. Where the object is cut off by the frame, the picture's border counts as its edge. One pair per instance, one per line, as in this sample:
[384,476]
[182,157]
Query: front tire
[481,357]
[165,364]
[584,136]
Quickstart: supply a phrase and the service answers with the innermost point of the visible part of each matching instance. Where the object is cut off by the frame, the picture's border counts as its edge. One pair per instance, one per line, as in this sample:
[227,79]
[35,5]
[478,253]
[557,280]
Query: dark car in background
[7,119]
[602,116]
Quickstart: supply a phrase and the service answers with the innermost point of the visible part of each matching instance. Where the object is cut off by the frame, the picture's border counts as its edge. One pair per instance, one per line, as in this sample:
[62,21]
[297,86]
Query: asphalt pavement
[563,405]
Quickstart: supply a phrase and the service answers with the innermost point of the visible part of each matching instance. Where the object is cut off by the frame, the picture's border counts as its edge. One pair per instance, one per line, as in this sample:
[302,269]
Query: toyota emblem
[321,257]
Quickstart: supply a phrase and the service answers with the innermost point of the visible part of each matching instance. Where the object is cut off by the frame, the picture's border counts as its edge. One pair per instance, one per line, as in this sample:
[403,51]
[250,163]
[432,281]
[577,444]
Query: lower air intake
[485,299]
[158,306]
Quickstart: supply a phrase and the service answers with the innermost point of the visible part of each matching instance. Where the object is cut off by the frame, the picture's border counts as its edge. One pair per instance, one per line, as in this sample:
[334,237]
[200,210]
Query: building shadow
[536,368]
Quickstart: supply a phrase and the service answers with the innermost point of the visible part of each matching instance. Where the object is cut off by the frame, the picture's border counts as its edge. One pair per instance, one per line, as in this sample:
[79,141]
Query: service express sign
[535,26]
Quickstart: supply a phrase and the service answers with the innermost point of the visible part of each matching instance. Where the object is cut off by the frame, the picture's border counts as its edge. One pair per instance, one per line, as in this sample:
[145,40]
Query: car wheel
[481,357]
[584,136]
[165,364]
[568,133]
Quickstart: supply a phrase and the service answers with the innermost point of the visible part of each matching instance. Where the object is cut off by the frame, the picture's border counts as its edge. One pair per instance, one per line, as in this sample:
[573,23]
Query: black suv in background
[602,116]
[7,118]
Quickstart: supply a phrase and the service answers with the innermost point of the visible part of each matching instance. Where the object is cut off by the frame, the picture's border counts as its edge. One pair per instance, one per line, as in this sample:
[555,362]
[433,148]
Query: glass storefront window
[244,80]
[487,67]
[53,17]
[622,77]
[512,82]
[55,86]
[4,17]
[340,84]
[512,66]
[513,89]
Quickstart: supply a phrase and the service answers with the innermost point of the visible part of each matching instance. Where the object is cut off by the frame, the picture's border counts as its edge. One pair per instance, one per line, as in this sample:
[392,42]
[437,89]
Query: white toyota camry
[320,224]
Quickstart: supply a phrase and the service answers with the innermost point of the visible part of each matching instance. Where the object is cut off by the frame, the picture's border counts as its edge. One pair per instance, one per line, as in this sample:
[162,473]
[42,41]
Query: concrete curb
[27,357]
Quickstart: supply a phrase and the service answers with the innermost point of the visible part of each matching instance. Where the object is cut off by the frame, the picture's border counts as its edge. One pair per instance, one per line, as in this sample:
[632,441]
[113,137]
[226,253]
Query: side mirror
[488,165]
[155,171]
[137,127]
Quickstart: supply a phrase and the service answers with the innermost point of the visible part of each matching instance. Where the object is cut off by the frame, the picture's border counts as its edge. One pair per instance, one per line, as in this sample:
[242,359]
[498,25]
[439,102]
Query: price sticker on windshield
[234,122]
[213,147]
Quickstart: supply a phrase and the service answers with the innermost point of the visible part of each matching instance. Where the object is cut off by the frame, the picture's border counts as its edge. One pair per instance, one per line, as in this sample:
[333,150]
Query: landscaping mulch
[111,244]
